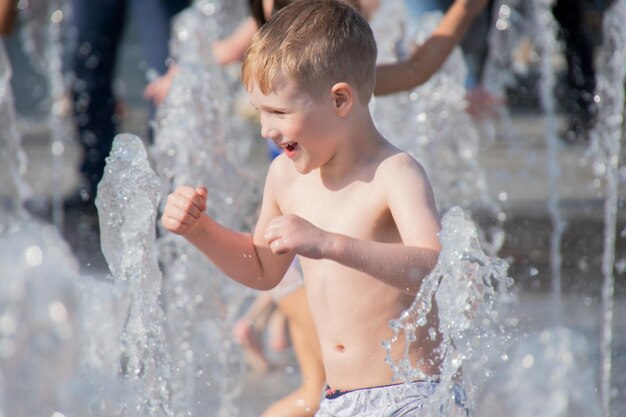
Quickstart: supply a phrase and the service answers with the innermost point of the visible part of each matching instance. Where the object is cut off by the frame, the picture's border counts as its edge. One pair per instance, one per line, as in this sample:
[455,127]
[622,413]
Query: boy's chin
[304,171]
[303,168]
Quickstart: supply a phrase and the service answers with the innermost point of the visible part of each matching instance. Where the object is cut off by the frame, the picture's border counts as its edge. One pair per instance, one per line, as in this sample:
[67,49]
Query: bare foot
[300,403]
[247,337]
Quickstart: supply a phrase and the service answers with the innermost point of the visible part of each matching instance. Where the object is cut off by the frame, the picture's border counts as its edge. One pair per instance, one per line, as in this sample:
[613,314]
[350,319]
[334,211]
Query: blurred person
[97,29]
[263,314]
[474,45]
[415,69]
[580,76]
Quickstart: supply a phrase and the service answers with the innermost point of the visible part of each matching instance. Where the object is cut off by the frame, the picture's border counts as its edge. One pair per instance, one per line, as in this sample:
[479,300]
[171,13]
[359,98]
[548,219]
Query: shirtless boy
[358,212]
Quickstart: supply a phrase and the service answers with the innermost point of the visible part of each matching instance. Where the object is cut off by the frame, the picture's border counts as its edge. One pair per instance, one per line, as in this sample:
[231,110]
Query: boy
[358,212]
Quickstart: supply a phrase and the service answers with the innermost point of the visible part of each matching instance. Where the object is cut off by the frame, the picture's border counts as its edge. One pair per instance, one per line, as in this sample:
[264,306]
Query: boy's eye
[278,112]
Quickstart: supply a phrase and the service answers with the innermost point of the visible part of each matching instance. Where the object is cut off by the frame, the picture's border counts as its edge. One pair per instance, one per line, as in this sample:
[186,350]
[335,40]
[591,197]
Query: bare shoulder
[411,200]
[281,168]
[399,166]
[281,173]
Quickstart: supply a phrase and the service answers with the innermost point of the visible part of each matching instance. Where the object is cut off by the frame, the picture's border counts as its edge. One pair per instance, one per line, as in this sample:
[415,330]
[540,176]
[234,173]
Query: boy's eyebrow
[270,108]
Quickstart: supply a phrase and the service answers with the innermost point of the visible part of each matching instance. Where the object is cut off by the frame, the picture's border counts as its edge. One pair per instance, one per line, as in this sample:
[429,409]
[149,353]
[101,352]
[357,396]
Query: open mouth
[290,146]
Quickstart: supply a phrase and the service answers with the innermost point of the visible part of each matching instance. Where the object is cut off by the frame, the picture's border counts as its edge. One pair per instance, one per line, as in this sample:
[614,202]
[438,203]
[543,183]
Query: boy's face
[299,123]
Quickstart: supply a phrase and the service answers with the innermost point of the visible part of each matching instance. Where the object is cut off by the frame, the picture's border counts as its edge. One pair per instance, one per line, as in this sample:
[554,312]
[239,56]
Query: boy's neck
[361,145]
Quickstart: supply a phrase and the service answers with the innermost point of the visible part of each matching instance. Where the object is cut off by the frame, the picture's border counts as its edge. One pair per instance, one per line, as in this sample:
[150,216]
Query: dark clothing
[98,27]
[579,56]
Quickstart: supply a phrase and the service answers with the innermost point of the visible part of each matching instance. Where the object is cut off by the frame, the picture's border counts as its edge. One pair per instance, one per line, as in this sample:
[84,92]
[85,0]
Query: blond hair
[316,44]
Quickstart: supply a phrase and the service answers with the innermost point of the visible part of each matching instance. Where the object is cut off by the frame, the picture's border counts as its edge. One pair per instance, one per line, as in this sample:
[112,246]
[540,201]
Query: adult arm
[232,48]
[225,51]
[428,57]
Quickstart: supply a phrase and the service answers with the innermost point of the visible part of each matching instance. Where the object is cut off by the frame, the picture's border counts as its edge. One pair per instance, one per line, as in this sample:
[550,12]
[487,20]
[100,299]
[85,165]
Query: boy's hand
[290,233]
[185,206]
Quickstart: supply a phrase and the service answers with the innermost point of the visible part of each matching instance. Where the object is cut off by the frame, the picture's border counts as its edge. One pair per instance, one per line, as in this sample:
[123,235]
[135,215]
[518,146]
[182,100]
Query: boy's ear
[343,98]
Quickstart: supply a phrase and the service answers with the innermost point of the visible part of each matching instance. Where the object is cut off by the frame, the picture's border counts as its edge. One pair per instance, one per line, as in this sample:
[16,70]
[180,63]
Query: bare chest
[358,210]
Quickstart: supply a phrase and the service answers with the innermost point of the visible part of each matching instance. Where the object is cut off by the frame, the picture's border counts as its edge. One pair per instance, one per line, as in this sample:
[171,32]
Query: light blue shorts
[401,400]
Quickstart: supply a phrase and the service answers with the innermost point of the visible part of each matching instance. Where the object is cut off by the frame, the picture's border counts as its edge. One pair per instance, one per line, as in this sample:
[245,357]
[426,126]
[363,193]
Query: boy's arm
[242,256]
[430,56]
[402,265]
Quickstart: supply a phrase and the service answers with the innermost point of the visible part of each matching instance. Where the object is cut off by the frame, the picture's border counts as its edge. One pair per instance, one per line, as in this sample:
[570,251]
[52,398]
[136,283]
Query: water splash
[469,288]
[127,201]
[548,46]
[431,123]
[191,147]
[549,374]
[524,39]
[38,321]
[511,25]
[42,36]
[606,136]
[15,190]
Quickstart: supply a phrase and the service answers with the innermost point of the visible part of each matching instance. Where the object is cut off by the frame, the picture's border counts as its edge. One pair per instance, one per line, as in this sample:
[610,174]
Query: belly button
[340,348]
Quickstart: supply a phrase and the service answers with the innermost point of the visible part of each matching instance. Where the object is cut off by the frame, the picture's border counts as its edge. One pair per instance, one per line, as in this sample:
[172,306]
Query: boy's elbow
[431,261]
[264,283]
[423,268]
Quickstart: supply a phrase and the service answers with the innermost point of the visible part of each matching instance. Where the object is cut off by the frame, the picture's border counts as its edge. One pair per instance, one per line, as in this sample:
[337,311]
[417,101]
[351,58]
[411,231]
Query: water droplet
[58,148]
[33,256]
[57,312]
[8,324]
[57,16]
[528,361]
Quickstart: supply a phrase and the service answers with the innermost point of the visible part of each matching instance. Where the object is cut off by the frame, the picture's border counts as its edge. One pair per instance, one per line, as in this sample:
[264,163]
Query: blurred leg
[579,56]
[152,23]
[305,400]
[277,331]
[152,20]
[249,328]
[98,31]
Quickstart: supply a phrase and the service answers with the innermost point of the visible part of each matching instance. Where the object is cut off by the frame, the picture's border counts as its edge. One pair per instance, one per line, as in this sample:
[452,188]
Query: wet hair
[315,43]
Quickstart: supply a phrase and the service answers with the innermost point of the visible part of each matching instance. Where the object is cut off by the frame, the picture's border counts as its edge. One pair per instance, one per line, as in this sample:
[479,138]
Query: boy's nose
[268,131]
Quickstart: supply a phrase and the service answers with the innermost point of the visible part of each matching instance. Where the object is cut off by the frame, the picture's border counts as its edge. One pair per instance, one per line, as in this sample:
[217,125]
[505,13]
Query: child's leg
[260,310]
[277,331]
[305,400]
[249,327]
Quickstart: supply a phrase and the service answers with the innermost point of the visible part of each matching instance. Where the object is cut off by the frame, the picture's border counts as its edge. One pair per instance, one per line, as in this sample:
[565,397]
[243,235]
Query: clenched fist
[184,207]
